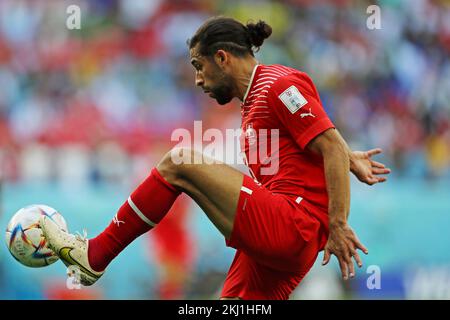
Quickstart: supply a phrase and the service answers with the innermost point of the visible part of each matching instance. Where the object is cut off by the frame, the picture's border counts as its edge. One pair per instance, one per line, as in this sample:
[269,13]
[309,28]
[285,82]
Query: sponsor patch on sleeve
[293,99]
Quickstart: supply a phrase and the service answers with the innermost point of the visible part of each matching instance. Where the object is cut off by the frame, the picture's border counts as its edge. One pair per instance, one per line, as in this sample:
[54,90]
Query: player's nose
[199,81]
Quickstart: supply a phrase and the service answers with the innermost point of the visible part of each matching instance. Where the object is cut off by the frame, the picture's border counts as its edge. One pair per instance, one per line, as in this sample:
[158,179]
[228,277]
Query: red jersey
[281,114]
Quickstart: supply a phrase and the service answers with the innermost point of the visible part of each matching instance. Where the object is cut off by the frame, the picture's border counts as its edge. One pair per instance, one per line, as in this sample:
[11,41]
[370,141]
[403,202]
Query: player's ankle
[93,256]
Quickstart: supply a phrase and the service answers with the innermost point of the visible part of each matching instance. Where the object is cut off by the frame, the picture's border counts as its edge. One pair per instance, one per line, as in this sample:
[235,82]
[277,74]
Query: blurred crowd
[99,104]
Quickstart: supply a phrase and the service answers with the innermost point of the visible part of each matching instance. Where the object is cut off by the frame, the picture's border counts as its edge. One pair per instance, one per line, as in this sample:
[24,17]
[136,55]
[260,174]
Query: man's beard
[222,94]
[223,91]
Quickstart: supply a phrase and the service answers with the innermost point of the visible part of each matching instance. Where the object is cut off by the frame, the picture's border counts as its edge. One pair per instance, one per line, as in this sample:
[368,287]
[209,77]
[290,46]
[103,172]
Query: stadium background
[84,115]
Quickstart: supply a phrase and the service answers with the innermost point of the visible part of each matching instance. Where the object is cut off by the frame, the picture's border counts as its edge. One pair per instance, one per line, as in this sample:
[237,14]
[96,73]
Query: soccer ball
[25,239]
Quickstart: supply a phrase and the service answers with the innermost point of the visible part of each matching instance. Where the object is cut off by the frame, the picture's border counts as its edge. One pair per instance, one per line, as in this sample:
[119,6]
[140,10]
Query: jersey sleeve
[294,101]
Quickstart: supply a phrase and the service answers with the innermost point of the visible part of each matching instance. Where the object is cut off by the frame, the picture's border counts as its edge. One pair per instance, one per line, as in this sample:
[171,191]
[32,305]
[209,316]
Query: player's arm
[363,167]
[342,241]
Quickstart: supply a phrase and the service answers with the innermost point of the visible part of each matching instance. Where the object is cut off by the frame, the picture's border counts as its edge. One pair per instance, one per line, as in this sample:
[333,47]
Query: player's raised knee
[168,168]
[185,156]
[175,161]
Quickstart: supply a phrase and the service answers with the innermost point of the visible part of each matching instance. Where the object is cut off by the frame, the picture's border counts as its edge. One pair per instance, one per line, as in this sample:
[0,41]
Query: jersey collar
[250,84]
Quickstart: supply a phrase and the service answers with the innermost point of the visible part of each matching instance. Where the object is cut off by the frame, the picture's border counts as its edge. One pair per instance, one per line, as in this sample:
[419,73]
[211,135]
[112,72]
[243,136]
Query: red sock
[146,207]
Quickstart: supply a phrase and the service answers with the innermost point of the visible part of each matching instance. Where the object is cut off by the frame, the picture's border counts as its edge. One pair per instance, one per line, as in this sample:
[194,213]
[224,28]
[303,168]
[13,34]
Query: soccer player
[277,220]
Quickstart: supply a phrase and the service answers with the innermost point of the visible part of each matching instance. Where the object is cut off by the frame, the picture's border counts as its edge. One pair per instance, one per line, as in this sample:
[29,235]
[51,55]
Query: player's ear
[221,58]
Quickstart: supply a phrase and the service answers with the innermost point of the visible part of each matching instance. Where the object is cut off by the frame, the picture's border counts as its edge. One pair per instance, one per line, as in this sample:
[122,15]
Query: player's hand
[343,243]
[367,170]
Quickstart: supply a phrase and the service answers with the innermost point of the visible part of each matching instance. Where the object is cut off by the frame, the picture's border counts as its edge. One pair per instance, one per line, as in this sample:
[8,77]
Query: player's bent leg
[214,186]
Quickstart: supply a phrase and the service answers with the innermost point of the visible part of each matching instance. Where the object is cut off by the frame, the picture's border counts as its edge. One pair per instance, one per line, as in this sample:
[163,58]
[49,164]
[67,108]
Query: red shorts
[277,243]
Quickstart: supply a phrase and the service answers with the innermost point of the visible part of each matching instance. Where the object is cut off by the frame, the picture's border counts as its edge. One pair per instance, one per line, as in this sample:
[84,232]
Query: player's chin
[223,101]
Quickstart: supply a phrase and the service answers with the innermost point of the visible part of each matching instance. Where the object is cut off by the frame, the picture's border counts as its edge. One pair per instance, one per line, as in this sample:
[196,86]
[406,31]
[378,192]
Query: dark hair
[230,35]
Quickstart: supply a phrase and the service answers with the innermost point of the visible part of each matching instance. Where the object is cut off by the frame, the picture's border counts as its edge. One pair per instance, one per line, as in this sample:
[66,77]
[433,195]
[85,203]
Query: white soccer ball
[25,239]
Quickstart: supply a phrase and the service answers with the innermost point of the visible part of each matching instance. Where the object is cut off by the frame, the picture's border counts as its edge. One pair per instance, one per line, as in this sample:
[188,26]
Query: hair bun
[258,32]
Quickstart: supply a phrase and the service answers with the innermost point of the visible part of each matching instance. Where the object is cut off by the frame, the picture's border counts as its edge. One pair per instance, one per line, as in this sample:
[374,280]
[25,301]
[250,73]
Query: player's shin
[145,208]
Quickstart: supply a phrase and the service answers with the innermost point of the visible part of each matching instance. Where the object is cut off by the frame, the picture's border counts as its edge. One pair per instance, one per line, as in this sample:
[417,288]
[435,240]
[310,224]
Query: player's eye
[197,66]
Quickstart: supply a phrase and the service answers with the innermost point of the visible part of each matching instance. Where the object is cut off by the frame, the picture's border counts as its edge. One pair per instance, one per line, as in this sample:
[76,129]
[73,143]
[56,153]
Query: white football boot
[71,249]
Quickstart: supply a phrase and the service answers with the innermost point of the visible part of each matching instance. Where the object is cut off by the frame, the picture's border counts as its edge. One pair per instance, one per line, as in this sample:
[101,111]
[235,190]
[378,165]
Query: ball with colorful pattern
[24,237]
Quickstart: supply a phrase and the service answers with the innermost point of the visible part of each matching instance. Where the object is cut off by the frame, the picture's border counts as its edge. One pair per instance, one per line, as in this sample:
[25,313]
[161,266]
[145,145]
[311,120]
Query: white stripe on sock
[140,214]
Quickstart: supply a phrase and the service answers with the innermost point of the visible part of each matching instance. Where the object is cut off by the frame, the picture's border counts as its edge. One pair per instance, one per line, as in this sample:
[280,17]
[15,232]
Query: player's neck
[244,75]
